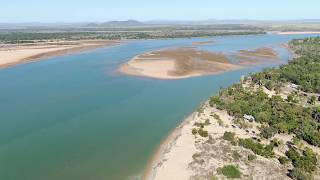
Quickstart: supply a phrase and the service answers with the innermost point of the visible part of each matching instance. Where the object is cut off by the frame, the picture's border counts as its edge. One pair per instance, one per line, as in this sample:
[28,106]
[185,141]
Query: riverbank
[298,32]
[13,54]
[250,128]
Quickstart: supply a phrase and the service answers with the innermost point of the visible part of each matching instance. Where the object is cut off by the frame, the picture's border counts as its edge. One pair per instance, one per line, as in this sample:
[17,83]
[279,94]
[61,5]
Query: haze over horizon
[16,11]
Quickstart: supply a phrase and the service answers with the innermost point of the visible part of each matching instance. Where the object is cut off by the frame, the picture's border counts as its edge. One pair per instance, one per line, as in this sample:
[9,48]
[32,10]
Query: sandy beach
[179,155]
[298,32]
[177,63]
[13,54]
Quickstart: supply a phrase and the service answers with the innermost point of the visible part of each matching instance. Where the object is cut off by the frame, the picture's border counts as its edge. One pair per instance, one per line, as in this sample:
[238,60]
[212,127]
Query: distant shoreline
[298,32]
[15,54]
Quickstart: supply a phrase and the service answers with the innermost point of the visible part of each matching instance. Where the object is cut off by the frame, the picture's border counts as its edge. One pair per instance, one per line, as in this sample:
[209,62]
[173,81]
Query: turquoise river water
[75,118]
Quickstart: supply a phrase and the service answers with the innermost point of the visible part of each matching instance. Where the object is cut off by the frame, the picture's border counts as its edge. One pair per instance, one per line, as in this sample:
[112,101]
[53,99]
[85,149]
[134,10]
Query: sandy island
[180,63]
[12,54]
[177,63]
[256,56]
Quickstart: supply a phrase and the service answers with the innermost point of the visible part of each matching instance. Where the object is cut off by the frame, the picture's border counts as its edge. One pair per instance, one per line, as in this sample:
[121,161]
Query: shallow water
[75,117]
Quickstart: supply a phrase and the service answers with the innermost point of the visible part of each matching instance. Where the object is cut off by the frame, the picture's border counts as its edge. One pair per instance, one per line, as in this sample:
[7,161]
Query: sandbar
[13,54]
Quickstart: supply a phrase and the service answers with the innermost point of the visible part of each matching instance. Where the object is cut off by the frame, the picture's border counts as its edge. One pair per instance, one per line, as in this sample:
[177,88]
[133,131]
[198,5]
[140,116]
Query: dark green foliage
[257,148]
[230,171]
[300,174]
[283,160]
[229,136]
[306,162]
[280,115]
[268,132]
[251,157]
[194,131]
[304,71]
[203,133]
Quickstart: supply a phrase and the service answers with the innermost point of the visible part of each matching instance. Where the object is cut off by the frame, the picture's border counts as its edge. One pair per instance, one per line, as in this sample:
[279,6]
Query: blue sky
[105,10]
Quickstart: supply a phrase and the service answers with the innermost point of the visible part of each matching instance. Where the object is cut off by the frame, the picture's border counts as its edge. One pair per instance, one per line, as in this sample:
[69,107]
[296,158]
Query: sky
[14,11]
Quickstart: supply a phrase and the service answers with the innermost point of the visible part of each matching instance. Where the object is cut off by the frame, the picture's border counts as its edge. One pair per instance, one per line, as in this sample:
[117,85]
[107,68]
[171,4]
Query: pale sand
[177,63]
[15,54]
[202,42]
[172,159]
[298,32]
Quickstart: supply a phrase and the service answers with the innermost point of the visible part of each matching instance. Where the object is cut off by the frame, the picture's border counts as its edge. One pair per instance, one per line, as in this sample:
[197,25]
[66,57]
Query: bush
[203,133]
[307,161]
[257,148]
[230,171]
[251,157]
[268,132]
[283,160]
[194,131]
[299,174]
[229,136]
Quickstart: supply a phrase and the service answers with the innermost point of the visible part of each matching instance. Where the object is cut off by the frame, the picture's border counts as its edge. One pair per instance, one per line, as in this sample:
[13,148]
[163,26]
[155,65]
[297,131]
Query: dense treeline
[29,37]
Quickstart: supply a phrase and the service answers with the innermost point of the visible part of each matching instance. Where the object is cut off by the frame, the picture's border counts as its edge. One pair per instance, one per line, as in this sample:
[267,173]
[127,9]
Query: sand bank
[177,63]
[20,53]
[257,56]
[190,62]
[298,32]
[202,42]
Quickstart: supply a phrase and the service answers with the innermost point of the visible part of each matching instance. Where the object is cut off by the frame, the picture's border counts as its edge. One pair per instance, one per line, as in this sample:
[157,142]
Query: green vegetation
[257,148]
[203,133]
[108,33]
[251,157]
[194,131]
[303,71]
[306,162]
[230,171]
[279,115]
[283,160]
[229,136]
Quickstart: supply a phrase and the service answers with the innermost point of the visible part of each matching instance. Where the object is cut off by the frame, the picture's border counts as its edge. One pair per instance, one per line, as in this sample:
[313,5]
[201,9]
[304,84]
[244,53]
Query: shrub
[257,148]
[268,132]
[283,160]
[251,157]
[229,136]
[230,171]
[299,174]
[194,131]
[203,133]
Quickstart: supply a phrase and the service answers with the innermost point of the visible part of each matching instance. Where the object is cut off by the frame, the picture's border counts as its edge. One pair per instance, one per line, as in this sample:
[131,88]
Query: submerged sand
[177,63]
[12,54]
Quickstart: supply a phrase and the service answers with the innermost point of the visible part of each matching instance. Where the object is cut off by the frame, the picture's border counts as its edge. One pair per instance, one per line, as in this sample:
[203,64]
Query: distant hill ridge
[117,24]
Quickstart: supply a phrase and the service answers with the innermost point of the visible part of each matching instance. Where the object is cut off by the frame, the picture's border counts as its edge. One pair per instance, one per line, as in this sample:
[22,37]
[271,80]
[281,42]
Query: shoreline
[297,32]
[21,54]
[165,146]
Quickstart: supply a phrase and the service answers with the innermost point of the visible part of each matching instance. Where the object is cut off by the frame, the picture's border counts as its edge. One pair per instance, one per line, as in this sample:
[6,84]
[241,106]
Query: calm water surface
[76,118]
